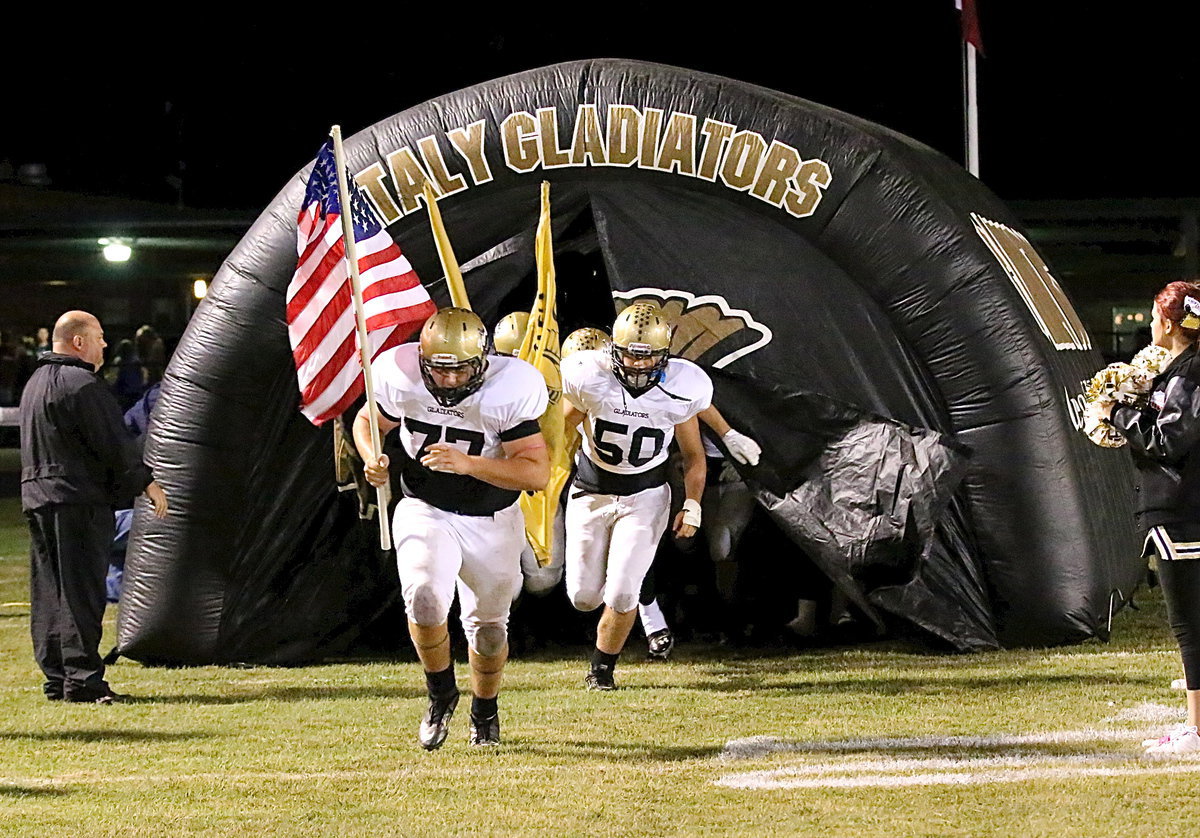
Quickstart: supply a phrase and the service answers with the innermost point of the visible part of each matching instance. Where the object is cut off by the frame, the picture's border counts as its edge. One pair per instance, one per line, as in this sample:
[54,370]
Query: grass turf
[857,741]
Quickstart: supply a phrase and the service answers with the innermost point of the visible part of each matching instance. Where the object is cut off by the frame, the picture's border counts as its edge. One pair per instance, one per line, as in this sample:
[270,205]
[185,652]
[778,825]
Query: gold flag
[454,280]
[540,347]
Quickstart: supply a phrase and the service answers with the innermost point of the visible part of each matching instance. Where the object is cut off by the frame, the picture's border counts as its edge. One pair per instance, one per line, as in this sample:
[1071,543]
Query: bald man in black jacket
[77,462]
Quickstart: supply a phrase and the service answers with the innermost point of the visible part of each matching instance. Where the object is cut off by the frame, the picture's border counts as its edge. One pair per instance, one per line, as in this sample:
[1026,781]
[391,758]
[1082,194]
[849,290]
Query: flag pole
[382,493]
[454,280]
[971,105]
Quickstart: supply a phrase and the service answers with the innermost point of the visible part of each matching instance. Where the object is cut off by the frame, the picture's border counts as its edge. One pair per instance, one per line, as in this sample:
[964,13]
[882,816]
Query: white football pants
[611,540]
[436,549]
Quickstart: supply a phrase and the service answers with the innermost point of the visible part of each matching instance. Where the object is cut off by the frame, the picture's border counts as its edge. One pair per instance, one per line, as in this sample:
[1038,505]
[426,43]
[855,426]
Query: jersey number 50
[612,451]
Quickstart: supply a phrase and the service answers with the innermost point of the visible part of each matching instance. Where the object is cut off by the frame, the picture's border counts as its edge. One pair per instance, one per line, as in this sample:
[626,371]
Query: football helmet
[510,332]
[454,342]
[585,338]
[641,345]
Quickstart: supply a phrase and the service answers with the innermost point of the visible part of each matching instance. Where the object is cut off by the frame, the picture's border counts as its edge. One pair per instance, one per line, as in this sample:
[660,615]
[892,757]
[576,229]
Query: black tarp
[880,298]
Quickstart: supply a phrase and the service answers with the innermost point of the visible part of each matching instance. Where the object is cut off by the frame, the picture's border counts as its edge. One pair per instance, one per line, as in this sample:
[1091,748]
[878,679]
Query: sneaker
[600,678]
[485,731]
[660,644]
[435,726]
[1182,741]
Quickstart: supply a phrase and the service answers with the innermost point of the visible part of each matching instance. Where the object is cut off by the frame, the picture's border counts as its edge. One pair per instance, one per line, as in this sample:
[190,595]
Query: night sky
[1072,105]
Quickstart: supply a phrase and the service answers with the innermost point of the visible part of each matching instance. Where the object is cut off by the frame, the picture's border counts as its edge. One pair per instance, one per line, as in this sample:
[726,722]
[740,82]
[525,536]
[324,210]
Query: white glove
[691,513]
[741,447]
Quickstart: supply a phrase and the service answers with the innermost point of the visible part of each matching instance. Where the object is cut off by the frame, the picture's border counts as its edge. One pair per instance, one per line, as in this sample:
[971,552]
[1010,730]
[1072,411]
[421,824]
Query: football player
[632,401]
[510,332]
[726,508]
[469,427]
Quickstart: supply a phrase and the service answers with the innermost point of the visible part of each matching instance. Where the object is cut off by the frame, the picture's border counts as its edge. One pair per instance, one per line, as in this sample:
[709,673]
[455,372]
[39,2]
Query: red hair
[1169,303]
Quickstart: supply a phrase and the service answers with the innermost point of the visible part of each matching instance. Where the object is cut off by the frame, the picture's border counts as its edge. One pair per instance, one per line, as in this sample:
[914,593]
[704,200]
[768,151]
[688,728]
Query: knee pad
[623,602]
[487,640]
[541,581]
[426,608]
[586,601]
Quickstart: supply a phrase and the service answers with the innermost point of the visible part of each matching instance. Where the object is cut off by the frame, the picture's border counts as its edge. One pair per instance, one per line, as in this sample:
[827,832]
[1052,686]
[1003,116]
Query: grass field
[878,740]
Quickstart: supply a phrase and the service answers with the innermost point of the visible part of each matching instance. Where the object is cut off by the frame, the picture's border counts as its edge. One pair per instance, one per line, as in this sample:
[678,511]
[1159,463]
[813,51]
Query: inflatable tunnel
[868,311]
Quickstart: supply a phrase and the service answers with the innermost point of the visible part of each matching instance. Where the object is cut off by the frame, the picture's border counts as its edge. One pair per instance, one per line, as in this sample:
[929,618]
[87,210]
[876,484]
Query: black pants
[1181,590]
[69,547]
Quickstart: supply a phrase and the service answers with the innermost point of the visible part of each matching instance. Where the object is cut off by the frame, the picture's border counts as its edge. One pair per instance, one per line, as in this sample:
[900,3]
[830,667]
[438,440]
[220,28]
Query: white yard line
[756,747]
[764,780]
[888,762]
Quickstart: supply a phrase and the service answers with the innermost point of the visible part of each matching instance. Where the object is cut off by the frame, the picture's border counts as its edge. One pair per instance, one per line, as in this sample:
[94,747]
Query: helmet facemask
[640,333]
[638,379]
[448,363]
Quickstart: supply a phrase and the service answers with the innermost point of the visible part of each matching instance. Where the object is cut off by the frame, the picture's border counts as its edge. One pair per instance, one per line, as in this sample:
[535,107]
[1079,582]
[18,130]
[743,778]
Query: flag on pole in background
[320,307]
[970,23]
[540,347]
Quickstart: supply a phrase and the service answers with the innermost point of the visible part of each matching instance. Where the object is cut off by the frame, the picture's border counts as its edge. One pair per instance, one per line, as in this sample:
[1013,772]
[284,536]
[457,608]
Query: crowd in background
[133,367]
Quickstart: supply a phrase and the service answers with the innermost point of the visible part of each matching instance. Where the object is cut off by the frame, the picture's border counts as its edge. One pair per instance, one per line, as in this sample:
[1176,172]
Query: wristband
[691,513]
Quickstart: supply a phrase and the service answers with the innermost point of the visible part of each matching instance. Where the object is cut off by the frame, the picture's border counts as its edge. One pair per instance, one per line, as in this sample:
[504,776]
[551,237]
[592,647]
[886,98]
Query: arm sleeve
[526,406]
[104,433]
[385,400]
[1166,435]
[704,393]
[572,374]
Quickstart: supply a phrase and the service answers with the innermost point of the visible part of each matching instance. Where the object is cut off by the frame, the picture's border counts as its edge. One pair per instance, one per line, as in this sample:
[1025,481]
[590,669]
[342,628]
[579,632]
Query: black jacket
[1163,439]
[74,445]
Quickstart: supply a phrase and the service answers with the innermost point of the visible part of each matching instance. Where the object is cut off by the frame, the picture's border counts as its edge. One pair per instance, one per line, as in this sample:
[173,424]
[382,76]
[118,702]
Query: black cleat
[92,697]
[600,678]
[435,726]
[485,731]
[660,644]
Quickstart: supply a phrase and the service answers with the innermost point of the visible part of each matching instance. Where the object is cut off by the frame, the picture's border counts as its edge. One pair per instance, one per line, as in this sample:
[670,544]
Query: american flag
[320,305]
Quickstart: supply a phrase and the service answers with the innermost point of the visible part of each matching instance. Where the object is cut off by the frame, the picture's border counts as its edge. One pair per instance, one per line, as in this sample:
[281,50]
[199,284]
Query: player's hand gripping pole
[383,494]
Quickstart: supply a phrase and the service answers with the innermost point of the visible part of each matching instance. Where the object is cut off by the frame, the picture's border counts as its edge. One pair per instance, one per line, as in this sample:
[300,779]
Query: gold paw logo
[707,330]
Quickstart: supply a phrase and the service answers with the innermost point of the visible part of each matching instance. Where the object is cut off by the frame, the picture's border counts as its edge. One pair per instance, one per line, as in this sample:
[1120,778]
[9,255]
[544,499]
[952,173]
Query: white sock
[652,617]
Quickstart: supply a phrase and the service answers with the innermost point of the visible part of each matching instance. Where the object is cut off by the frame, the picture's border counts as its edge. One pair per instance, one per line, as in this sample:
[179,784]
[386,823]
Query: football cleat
[454,342]
[485,732]
[600,678]
[510,333]
[435,725]
[641,346]
[660,644]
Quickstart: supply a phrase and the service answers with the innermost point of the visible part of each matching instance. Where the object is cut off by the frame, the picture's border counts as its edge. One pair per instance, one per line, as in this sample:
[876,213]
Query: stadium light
[116,249]
[200,288]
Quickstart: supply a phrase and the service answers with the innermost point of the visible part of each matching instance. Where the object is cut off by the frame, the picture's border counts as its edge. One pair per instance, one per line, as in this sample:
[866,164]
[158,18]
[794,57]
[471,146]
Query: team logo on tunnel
[708,330]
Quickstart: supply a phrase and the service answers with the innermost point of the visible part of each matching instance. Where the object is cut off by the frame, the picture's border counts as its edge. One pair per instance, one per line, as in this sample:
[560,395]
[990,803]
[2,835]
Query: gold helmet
[453,340]
[510,332]
[585,338]
[640,332]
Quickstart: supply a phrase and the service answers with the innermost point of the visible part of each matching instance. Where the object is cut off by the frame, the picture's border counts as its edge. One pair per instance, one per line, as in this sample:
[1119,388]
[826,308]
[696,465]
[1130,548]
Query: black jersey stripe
[527,428]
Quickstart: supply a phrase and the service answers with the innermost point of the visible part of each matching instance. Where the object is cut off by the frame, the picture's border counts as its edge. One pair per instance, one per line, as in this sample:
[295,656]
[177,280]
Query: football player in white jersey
[632,400]
[469,429]
[510,332]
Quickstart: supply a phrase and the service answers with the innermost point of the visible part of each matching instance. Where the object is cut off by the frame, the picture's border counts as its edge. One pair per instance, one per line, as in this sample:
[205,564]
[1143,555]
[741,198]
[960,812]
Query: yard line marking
[754,747]
[899,765]
[1148,711]
[765,780]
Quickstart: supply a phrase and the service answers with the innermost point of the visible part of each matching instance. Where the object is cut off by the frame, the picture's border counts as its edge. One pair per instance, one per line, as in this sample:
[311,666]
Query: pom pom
[1124,384]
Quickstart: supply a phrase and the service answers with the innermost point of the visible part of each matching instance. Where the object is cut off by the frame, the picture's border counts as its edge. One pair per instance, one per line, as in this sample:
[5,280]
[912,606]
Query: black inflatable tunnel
[868,310]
